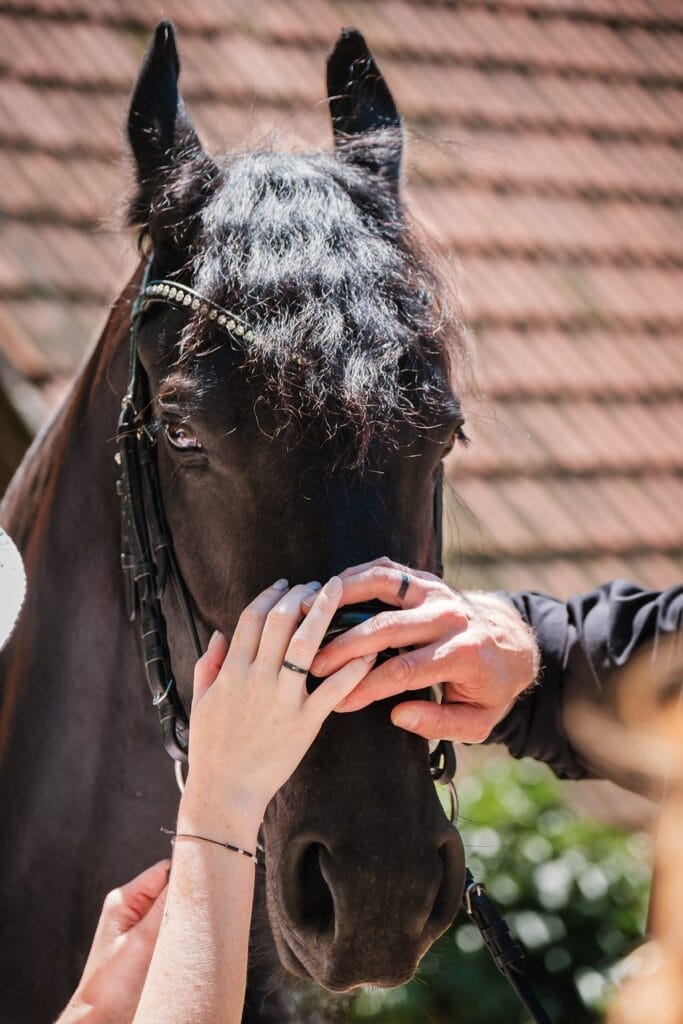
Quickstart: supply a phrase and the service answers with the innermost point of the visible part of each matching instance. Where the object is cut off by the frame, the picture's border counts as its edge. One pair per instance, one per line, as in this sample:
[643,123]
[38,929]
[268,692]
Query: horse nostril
[451,885]
[312,908]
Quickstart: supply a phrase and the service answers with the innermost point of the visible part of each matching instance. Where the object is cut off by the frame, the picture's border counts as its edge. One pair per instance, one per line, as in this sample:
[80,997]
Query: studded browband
[183,297]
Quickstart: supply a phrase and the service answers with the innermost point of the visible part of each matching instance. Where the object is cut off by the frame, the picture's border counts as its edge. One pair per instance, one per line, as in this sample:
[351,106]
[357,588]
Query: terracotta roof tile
[75,53]
[231,64]
[42,338]
[465,33]
[216,13]
[523,517]
[47,187]
[550,363]
[573,162]
[563,577]
[57,259]
[535,437]
[660,51]
[502,289]
[470,219]
[59,119]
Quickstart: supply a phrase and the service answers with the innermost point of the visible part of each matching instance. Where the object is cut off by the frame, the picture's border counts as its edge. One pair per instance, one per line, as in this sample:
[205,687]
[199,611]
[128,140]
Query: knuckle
[251,616]
[400,669]
[113,900]
[323,601]
[302,645]
[468,652]
[382,623]
[451,616]
[481,730]
[444,610]
[279,615]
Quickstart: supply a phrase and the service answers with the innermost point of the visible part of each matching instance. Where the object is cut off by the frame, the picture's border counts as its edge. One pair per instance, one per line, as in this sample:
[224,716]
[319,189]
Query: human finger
[391,579]
[383,561]
[392,585]
[309,635]
[335,688]
[407,670]
[151,923]
[280,623]
[464,723]
[126,905]
[400,628]
[208,666]
[247,636]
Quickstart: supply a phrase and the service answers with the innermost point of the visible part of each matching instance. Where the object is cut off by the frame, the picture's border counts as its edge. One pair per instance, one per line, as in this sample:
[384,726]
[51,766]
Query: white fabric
[12,586]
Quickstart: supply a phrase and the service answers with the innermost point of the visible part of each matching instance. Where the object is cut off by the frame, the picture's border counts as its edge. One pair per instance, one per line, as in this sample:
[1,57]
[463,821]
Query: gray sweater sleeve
[585,643]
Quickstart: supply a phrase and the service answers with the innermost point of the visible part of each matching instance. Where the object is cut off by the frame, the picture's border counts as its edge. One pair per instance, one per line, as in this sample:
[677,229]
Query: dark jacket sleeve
[584,644]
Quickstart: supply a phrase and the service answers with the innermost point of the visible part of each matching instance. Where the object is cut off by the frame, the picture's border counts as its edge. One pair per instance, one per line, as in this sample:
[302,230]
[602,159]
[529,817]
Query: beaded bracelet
[216,842]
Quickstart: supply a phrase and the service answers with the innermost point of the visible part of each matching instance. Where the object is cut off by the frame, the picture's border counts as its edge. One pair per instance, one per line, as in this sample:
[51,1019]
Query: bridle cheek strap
[147,557]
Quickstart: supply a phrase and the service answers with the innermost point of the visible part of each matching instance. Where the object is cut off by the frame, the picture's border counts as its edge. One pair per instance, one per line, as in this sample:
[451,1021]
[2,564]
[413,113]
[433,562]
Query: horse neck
[62,511]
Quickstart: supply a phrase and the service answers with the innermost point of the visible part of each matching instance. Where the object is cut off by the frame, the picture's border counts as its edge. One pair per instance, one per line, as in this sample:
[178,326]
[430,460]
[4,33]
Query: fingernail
[214,638]
[369,657]
[318,667]
[333,587]
[280,584]
[314,585]
[406,719]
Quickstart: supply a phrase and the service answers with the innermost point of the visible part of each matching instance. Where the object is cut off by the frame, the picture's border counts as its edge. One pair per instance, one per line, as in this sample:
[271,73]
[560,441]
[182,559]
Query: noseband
[148,562]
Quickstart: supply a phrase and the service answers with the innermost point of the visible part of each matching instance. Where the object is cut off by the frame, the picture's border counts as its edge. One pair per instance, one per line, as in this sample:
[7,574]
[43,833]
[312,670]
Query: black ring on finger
[405,583]
[294,668]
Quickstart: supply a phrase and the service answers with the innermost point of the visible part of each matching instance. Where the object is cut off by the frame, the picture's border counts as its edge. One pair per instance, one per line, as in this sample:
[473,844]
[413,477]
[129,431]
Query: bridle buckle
[478,888]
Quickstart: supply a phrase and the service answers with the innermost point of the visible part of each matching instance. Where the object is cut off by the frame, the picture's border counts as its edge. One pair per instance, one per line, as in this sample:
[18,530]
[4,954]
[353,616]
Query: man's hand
[476,644]
[119,958]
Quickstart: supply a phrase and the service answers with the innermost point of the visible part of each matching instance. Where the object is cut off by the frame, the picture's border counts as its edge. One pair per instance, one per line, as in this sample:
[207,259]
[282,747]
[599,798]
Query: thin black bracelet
[216,842]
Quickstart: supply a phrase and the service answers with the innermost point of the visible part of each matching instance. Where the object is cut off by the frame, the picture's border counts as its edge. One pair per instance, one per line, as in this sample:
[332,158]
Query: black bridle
[148,562]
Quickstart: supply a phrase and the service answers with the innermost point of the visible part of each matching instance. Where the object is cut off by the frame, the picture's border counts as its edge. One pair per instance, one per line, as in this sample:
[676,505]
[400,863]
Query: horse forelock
[351,323]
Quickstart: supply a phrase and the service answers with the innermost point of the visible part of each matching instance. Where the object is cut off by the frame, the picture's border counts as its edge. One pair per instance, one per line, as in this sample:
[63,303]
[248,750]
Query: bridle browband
[148,562]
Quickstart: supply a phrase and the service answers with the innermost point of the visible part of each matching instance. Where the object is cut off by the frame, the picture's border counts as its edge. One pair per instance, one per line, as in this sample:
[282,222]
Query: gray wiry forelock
[349,327]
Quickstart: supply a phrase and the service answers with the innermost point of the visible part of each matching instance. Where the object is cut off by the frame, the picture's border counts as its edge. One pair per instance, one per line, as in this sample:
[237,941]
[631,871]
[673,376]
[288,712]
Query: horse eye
[181,437]
[457,435]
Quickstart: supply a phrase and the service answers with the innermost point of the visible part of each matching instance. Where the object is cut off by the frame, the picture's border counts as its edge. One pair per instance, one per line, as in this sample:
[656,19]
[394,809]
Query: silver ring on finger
[405,583]
[294,668]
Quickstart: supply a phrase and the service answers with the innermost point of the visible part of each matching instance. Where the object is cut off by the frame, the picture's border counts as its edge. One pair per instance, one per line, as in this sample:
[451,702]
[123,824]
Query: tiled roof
[546,153]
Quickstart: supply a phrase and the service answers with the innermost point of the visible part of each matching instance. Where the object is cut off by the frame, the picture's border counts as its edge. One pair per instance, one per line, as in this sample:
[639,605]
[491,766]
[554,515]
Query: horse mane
[352,325]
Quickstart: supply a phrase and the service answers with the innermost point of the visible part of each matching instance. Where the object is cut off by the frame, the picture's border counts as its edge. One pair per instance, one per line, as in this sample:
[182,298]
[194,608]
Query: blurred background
[545,159]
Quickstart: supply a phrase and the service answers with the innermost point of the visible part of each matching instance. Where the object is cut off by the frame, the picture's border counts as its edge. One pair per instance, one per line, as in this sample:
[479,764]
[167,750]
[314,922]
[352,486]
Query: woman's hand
[476,644]
[114,974]
[252,719]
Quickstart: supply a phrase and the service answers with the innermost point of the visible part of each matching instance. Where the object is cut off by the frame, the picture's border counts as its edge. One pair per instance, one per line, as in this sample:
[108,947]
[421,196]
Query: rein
[148,562]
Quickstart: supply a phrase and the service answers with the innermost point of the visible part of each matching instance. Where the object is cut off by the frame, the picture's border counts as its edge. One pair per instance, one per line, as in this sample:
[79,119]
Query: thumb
[464,723]
[149,926]
[126,906]
[208,666]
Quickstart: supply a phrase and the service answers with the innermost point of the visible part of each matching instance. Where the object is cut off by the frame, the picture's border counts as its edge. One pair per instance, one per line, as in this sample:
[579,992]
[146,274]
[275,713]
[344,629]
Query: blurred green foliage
[574,891]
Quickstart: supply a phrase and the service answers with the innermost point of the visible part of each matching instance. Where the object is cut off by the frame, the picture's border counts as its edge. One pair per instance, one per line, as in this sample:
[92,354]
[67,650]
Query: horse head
[310,442]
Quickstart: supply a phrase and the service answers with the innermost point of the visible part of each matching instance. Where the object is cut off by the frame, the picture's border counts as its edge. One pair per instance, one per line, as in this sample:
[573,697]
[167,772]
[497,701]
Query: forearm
[198,970]
[586,644]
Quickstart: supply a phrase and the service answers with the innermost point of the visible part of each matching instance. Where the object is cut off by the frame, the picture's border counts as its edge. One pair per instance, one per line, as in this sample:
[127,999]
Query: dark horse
[315,445]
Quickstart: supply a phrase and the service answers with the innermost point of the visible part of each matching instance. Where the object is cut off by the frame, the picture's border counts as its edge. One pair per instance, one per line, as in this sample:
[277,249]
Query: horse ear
[365,120]
[159,128]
